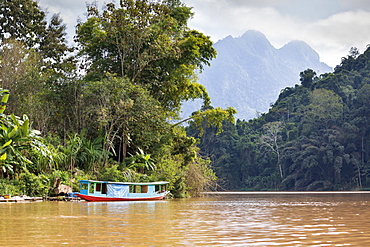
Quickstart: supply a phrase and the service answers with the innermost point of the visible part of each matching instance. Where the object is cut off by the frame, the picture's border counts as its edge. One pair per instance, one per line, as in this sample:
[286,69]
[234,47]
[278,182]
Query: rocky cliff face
[249,72]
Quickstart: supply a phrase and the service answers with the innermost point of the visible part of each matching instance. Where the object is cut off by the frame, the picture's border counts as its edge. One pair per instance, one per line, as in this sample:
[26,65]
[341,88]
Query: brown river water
[230,219]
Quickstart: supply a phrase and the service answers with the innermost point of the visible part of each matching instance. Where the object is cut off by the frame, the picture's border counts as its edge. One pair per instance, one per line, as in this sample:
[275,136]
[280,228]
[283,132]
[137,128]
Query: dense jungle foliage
[106,108]
[316,136]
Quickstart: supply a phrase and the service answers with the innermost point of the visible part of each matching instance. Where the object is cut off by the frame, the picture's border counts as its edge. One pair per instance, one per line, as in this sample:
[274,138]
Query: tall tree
[148,42]
[58,61]
[36,62]
[325,107]
[307,77]
[125,113]
[20,73]
[25,21]
[22,20]
[271,140]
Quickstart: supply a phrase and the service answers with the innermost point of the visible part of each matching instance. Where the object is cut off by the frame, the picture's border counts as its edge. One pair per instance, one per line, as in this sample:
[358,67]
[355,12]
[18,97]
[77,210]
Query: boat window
[98,187]
[84,186]
[160,187]
[137,189]
[144,189]
[104,189]
[91,190]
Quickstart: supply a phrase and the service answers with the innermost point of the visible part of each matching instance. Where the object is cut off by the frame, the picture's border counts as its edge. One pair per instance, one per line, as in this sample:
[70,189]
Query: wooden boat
[91,190]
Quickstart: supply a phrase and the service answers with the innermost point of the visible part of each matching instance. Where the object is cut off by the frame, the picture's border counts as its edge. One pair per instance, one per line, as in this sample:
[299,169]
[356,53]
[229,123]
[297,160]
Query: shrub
[34,185]
[9,187]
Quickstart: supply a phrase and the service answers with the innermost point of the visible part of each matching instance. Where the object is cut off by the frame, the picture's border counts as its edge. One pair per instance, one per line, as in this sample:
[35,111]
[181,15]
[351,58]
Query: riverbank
[20,199]
[37,199]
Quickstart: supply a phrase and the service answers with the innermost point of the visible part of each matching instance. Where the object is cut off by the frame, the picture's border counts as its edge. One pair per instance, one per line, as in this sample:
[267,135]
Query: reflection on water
[224,220]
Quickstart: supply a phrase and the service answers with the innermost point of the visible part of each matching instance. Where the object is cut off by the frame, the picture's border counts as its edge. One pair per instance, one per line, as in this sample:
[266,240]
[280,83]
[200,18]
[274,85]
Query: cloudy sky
[331,27]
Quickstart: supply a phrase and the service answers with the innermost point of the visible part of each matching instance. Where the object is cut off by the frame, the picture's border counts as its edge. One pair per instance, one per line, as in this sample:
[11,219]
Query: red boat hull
[111,199]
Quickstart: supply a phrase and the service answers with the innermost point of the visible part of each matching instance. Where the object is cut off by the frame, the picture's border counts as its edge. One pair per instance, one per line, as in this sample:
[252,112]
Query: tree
[325,107]
[25,22]
[364,94]
[13,63]
[210,117]
[58,61]
[307,77]
[270,139]
[22,20]
[35,61]
[125,114]
[20,73]
[149,43]
[354,52]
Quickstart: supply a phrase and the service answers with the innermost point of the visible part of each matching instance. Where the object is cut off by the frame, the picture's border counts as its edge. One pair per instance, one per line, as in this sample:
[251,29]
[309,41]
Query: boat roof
[126,183]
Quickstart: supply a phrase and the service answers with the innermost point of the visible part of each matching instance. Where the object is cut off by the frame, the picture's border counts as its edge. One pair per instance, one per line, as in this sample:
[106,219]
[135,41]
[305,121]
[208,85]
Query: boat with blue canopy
[91,190]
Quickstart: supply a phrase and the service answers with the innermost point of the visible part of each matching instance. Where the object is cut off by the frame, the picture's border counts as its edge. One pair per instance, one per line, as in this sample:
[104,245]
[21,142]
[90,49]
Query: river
[230,219]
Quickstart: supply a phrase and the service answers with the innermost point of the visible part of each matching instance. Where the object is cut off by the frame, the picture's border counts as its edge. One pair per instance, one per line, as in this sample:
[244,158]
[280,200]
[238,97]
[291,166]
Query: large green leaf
[6,144]
[3,156]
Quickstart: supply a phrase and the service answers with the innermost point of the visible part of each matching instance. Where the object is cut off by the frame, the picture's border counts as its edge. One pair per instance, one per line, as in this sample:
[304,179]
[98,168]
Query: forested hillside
[315,137]
[106,108]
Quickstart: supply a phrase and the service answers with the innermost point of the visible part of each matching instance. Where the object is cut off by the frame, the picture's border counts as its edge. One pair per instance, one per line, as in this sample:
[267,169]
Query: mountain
[249,72]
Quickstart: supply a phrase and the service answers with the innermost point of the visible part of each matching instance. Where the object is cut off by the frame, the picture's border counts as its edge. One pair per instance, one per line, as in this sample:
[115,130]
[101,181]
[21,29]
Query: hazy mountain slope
[249,72]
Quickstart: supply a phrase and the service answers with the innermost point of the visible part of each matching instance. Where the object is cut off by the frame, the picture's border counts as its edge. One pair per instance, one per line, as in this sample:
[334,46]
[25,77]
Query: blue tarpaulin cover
[117,190]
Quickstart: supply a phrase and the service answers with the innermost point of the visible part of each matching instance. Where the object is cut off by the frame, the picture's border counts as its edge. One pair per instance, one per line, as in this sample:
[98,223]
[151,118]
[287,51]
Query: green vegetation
[108,108]
[315,137]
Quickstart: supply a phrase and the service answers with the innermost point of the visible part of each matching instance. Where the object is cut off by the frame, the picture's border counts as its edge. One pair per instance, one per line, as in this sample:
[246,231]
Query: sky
[331,27]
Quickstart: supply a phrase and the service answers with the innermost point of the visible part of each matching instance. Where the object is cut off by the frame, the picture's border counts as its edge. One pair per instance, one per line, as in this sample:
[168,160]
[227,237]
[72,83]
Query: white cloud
[331,27]
[338,33]
[331,36]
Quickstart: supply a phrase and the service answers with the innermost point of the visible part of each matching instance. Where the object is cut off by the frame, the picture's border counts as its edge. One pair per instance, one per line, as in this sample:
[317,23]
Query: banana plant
[3,158]
[93,153]
[4,94]
[18,141]
[141,162]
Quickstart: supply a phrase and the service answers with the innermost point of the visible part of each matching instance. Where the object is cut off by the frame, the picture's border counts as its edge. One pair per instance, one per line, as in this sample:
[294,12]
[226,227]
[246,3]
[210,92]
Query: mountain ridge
[249,73]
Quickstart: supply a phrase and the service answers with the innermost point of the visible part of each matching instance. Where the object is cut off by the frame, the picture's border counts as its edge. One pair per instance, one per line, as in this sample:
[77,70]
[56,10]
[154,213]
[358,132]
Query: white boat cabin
[121,189]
